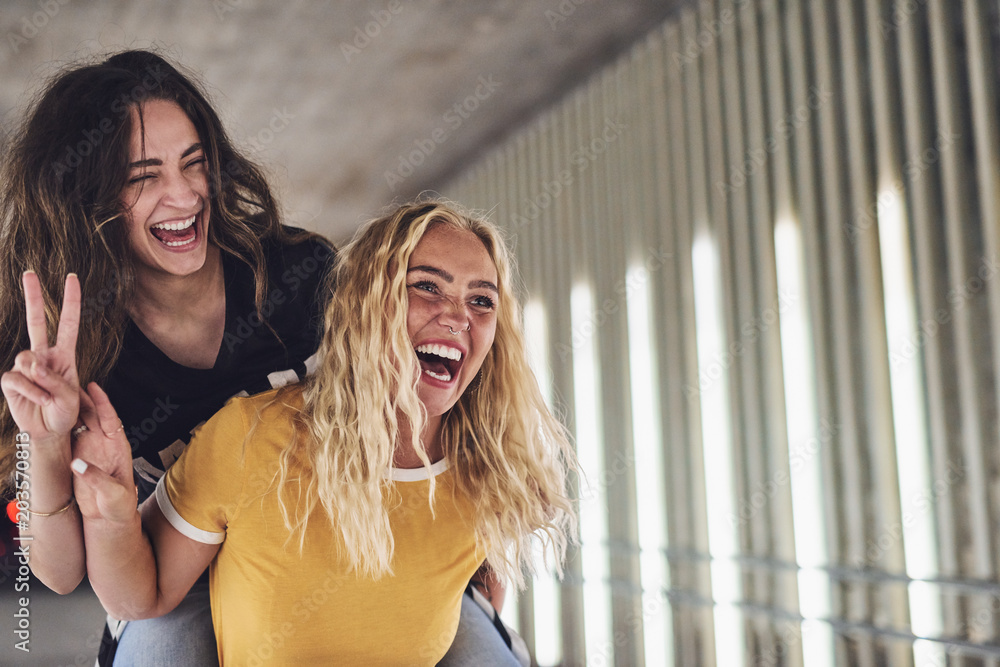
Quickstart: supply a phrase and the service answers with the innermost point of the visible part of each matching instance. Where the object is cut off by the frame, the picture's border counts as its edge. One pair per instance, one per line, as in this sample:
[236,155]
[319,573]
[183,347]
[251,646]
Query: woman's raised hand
[42,389]
[104,487]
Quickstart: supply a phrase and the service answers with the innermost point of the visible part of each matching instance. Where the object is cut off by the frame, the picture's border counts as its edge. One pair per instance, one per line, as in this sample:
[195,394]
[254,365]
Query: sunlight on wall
[548,630]
[912,453]
[723,541]
[593,499]
[647,436]
[806,436]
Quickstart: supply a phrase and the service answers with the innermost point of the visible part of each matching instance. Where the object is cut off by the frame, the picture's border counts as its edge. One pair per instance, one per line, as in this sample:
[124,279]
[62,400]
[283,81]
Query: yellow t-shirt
[273,606]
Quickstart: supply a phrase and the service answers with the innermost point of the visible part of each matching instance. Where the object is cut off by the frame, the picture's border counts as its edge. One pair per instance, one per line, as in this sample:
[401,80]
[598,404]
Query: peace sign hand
[42,389]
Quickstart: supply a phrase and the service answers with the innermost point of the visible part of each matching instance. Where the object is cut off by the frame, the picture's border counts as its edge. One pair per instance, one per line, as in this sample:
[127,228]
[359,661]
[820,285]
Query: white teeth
[174,244]
[441,351]
[176,226]
[446,377]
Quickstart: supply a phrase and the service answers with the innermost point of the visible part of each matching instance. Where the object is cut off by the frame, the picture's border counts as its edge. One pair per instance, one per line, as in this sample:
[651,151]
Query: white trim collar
[418,474]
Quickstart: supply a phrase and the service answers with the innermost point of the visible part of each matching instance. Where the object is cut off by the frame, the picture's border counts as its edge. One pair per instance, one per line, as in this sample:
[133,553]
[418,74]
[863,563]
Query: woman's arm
[142,568]
[42,393]
[57,547]
[53,519]
[139,566]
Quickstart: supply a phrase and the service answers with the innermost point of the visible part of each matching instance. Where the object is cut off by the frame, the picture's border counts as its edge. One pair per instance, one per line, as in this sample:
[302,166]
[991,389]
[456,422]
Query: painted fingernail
[79,466]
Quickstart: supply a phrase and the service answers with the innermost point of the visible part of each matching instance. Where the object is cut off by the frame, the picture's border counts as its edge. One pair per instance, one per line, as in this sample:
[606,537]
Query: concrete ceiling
[348,105]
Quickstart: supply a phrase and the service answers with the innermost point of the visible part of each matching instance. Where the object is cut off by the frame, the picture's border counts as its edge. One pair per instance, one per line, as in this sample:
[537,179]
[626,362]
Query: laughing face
[167,192]
[452,317]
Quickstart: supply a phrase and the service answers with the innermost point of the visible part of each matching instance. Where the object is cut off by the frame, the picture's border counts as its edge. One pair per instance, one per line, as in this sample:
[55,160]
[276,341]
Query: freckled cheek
[418,314]
[484,344]
[489,332]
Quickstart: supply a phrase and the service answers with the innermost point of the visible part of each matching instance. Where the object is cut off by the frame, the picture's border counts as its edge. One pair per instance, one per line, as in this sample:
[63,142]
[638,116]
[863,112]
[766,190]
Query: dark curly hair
[61,207]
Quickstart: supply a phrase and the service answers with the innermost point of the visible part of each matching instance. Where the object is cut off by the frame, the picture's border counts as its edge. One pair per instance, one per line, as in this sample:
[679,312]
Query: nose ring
[455,333]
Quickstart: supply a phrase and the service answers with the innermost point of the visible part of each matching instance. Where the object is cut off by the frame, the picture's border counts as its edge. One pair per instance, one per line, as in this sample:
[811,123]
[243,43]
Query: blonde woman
[343,517]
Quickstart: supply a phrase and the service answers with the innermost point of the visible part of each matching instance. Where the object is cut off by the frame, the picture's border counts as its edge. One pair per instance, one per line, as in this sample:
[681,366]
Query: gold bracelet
[62,509]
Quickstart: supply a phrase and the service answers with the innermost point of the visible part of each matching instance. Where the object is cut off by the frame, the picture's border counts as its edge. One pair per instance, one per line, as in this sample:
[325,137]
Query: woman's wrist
[50,447]
[64,508]
[114,528]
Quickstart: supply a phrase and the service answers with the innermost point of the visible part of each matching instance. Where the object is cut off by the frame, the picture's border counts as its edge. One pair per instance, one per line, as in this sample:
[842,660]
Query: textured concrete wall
[349,104]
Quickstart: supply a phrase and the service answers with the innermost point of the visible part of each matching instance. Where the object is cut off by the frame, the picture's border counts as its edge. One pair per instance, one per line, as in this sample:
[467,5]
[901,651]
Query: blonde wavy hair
[509,454]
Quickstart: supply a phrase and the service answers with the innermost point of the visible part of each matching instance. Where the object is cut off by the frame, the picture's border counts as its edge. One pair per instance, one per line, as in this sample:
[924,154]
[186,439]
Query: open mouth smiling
[441,362]
[176,234]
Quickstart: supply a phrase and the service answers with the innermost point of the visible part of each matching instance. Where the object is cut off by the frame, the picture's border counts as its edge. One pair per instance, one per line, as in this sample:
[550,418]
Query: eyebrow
[156,162]
[447,277]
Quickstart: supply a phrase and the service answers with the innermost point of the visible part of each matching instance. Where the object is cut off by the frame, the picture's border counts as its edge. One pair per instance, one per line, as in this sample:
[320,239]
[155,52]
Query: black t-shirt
[160,401]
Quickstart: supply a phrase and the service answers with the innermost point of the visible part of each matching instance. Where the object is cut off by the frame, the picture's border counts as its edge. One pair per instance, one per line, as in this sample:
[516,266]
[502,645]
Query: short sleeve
[200,494]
